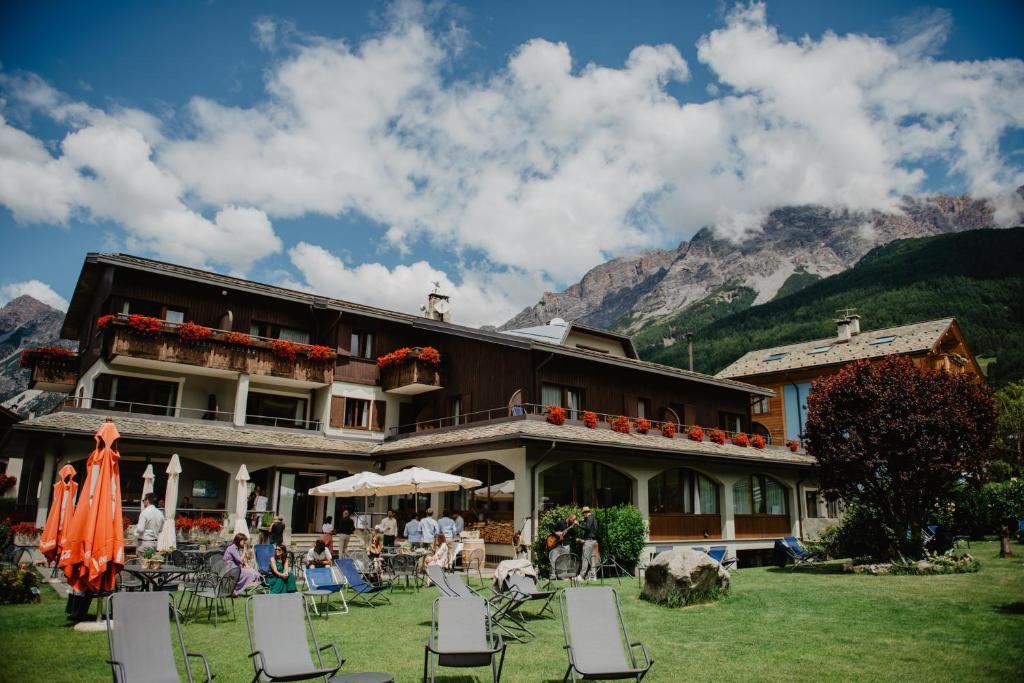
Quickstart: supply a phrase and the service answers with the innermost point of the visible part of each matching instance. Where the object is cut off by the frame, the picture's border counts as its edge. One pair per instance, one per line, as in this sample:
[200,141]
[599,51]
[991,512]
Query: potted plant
[555,415]
[151,559]
[621,424]
[695,433]
[757,441]
[717,436]
[793,445]
[192,333]
[642,425]
[7,483]
[589,418]
[741,440]
[26,533]
[668,430]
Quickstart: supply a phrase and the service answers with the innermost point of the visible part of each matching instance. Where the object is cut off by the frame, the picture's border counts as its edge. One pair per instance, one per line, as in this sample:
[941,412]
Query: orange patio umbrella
[62,509]
[93,553]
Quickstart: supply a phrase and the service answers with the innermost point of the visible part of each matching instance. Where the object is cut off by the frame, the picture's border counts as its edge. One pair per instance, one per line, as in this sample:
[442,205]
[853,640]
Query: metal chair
[277,634]
[461,636]
[565,567]
[596,640]
[404,567]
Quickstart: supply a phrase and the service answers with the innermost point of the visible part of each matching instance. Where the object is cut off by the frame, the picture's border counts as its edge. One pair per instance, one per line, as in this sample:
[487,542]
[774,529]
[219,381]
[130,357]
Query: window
[682,491]
[759,495]
[730,422]
[172,315]
[136,394]
[819,349]
[833,508]
[643,407]
[574,402]
[357,413]
[551,395]
[774,356]
[811,501]
[455,409]
[362,344]
[585,483]
[273,410]
[888,339]
[153,309]
[760,405]
[269,331]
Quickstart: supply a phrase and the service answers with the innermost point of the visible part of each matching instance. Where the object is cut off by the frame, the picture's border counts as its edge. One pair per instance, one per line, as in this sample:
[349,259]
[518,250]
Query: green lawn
[774,625]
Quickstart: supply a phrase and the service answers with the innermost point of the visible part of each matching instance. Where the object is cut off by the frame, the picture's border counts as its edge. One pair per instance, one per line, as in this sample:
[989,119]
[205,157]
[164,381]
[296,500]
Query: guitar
[553,538]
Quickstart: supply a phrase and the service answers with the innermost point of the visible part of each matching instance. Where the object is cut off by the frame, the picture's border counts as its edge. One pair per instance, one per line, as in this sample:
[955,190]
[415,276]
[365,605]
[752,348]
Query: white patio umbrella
[167,539]
[147,481]
[242,500]
[361,484]
[421,480]
[504,491]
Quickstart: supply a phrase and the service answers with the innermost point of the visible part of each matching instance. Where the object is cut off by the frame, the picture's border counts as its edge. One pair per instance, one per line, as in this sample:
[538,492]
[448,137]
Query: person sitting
[440,555]
[281,579]
[319,555]
[373,552]
[235,554]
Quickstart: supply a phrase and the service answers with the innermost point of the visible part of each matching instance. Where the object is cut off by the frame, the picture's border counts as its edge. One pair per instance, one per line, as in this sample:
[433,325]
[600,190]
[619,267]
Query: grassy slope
[775,625]
[977,276]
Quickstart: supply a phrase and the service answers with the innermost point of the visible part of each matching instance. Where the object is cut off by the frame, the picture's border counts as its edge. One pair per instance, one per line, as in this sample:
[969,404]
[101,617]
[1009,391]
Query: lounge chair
[565,567]
[362,590]
[499,608]
[521,589]
[277,634]
[321,583]
[718,553]
[797,552]
[140,638]
[460,636]
[596,640]
[264,553]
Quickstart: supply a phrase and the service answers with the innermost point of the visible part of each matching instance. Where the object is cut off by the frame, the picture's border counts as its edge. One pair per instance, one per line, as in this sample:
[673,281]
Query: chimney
[854,324]
[689,348]
[843,330]
[438,307]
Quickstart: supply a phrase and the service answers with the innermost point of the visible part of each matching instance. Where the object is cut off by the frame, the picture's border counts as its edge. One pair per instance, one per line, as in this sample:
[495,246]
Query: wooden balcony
[762,526]
[412,376]
[357,371]
[52,372]
[667,526]
[255,357]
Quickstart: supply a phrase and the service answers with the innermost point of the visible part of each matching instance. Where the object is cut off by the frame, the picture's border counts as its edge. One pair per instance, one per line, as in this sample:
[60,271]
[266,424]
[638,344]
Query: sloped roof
[914,338]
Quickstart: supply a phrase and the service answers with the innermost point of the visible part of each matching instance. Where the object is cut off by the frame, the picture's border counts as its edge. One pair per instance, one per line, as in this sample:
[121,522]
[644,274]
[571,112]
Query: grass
[774,625]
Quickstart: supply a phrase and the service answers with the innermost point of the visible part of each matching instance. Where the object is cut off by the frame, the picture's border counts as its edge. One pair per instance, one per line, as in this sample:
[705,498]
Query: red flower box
[621,424]
[145,325]
[793,445]
[393,358]
[589,419]
[103,321]
[757,441]
[193,333]
[184,523]
[25,529]
[43,352]
[556,415]
[209,525]
[668,430]
[320,352]
[716,436]
[238,338]
[284,349]
[741,440]
[642,425]
[428,354]
[695,433]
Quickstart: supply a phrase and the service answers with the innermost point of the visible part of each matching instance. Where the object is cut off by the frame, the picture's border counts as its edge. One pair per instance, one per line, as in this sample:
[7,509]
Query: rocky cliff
[26,323]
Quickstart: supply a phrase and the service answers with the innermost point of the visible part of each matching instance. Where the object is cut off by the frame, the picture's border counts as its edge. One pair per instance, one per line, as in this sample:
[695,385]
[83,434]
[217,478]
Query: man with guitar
[559,542]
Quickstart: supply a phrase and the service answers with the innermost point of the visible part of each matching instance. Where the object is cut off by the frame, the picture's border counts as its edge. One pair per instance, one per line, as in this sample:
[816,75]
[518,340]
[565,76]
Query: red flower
[103,321]
[284,349]
[184,523]
[757,441]
[210,525]
[25,529]
[590,418]
[428,354]
[393,358]
[145,325]
[192,333]
[642,425]
[125,522]
[793,445]
[621,424]
[695,433]
[239,338]
[28,356]
[668,429]
[7,482]
[741,439]
[556,415]
[320,352]
[717,436]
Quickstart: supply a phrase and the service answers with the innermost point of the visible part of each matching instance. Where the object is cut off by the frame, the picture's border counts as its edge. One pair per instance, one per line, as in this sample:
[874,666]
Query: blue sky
[488,166]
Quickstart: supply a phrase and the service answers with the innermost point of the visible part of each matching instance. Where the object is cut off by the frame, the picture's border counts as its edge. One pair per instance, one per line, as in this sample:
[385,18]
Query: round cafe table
[157,579]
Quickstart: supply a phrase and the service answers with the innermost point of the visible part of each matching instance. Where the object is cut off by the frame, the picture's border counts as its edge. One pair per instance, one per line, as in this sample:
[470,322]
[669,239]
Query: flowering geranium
[556,415]
[589,418]
[393,358]
[428,354]
[103,321]
[239,338]
[621,424]
[757,441]
[668,429]
[125,522]
[741,439]
[320,352]
[717,436]
[793,445]
[145,324]
[642,425]
[7,482]
[183,523]
[283,348]
[209,525]
[43,353]
[193,333]
[695,433]
[25,529]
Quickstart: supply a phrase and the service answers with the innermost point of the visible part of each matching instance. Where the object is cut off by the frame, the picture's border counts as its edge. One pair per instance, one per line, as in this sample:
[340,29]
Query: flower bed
[555,415]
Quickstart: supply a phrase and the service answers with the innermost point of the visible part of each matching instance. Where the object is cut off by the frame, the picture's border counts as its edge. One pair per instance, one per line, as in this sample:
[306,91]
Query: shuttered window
[337,411]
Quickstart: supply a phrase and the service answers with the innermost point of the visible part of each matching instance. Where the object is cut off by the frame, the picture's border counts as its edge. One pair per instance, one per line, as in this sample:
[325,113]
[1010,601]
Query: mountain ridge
[26,322]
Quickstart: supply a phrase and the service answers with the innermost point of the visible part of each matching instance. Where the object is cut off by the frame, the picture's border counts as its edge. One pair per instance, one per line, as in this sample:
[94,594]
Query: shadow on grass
[1011,608]
[831,568]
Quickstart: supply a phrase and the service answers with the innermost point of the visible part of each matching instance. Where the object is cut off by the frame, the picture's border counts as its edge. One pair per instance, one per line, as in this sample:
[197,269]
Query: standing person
[327,532]
[259,506]
[446,526]
[412,531]
[277,531]
[460,524]
[235,554]
[564,532]
[151,520]
[346,527]
[588,565]
[281,579]
[389,528]
[428,526]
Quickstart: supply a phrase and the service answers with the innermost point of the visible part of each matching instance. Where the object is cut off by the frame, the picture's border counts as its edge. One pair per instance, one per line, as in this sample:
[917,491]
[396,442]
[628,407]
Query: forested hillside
[976,276]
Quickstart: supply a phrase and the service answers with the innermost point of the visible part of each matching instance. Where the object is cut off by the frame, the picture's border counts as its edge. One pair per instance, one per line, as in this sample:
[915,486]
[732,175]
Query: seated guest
[373,552]
[235,554]
[281,579]
[319,555]
[439,555]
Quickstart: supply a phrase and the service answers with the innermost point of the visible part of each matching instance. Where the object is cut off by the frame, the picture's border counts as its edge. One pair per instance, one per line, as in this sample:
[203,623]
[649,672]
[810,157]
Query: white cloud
[544,167]
[40,291]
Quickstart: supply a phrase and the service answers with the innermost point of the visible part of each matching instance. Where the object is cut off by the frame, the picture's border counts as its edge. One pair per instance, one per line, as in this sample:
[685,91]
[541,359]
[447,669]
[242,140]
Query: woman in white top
[440,552]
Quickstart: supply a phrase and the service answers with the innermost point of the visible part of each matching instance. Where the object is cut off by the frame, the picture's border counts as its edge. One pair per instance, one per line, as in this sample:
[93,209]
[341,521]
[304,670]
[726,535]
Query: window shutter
[379,418]
[337,411]
[467,405]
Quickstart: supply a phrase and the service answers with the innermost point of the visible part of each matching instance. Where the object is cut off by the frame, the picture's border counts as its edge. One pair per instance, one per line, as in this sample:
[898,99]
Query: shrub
[590,418]
[621,424]
[555,415]
[18,587]
[621,533]
[861,533]
[936,564]
[642,425]
[677,598]
[668,429]
[545,527]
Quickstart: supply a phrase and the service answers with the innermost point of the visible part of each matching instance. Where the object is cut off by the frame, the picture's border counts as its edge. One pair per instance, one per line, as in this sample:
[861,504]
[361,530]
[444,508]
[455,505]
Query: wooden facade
[672,525]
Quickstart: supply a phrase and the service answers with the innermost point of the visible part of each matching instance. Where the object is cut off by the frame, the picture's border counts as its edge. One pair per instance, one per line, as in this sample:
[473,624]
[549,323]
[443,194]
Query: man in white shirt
[428,526]
[460,524]
[446,525]
[151,520]
[412,531]
[389,528]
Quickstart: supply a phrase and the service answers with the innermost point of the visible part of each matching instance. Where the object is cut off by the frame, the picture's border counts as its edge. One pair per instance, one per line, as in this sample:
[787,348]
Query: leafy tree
[1010,422]
[897,439]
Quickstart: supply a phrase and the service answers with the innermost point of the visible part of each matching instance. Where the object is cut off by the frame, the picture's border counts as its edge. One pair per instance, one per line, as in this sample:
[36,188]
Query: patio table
[157,579]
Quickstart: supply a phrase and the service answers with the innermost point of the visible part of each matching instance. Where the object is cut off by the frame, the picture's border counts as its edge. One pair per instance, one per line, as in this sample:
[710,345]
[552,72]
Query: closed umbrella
[62,509]
[241,501]
[167,539]
[93,552]
[147,481]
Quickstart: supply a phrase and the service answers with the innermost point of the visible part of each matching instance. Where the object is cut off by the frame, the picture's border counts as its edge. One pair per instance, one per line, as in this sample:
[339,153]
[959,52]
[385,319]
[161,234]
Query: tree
[897,439]
[1010,422]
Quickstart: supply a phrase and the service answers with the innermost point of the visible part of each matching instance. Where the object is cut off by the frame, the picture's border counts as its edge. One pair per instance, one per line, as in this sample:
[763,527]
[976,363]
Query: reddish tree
[896,438]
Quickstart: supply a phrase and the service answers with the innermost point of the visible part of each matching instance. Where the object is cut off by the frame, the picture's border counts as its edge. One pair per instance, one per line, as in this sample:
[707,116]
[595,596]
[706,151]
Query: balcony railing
[412,375]
[221,350]
[52,370]
[222,416]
